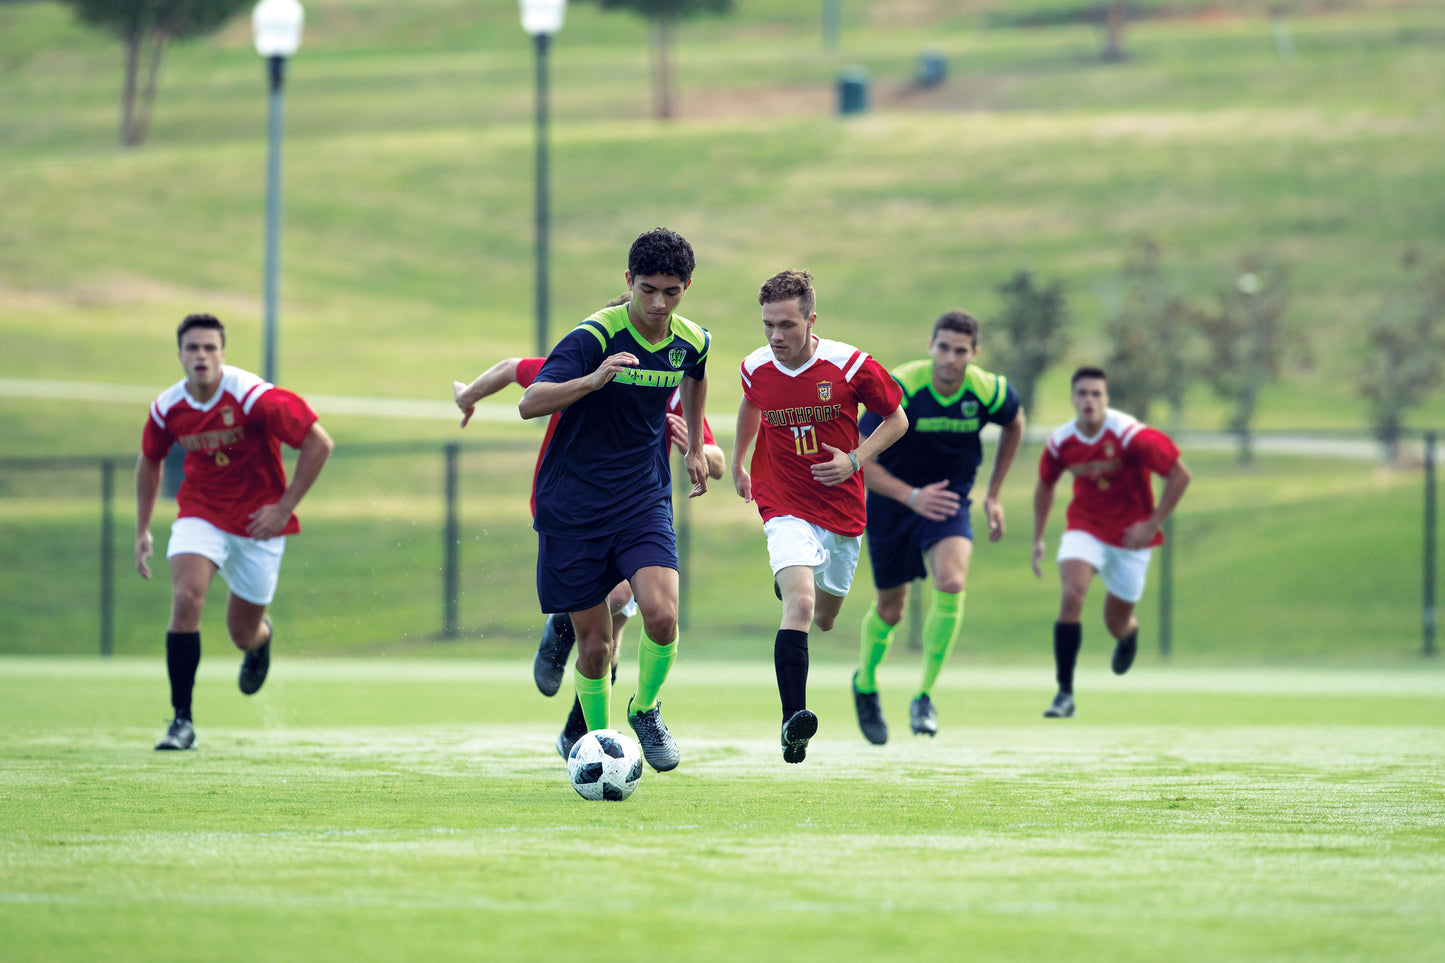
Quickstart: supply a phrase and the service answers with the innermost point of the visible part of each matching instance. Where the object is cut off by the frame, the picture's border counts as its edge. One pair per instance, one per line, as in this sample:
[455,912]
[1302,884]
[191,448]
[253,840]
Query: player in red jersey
[558,635]
[1112,522]
[800,401]
[235,506]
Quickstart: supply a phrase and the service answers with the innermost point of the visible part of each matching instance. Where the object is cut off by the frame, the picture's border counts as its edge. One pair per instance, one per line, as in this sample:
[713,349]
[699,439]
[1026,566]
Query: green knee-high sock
[940,630]
[653,663]
[596,698]
[877,637]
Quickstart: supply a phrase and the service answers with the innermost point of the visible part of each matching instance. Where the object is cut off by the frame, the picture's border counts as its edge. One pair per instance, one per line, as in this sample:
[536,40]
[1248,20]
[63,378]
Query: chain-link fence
[1316,546]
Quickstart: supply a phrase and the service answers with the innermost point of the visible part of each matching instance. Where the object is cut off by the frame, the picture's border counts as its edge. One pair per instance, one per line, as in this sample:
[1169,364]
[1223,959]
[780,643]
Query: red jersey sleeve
[876,388]
[527,370]
[1051,467]
[1155,450]
[155,441]
[286,415]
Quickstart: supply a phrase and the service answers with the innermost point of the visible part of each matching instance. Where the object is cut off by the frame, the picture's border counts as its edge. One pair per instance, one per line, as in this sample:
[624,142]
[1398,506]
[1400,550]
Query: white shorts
[630,609]
[1122,569]
[249,566]
[832,557]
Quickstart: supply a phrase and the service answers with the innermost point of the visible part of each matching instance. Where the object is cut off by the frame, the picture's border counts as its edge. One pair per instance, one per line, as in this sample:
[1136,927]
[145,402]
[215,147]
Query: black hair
[208,321]
[660,251]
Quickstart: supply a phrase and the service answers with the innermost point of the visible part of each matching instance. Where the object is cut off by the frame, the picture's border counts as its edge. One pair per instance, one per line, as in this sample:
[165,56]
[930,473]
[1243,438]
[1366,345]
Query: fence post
[1428,615]
[916,615]
[451,538]
[107,557]
[1166,590]
[682,525]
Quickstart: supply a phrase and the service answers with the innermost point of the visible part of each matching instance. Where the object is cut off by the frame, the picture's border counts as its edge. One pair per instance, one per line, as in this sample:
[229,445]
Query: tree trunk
[662,100]
[1114,17]
[154,51]
[132,44]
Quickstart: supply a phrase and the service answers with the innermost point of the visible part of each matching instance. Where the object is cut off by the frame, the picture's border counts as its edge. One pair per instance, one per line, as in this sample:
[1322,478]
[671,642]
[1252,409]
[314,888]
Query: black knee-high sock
[576,721]
[1068,638]
[183,655]
[790,661]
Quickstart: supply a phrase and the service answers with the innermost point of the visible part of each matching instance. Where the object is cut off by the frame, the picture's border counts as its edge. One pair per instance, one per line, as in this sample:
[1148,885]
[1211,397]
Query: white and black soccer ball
[605,764]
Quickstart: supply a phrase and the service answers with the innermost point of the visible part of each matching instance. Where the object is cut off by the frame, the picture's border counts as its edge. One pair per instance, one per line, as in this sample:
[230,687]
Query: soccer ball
[604,764]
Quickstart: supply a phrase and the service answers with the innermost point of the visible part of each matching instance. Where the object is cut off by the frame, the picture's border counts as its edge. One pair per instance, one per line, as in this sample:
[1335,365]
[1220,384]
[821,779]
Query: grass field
[394,810]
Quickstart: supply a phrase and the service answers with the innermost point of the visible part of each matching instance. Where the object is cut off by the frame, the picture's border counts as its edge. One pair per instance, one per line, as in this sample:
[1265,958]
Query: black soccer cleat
[575,729]
[256,664]
[1124,652]
[658,746]
[558,637]
[180,735]
[922,717]
[1061,708]
[870,715]
[797,730]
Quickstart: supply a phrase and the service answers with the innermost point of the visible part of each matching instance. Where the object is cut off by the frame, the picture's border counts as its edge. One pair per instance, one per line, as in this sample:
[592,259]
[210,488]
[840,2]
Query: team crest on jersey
[825,390]
[676,356]
[970,408]
[228,416]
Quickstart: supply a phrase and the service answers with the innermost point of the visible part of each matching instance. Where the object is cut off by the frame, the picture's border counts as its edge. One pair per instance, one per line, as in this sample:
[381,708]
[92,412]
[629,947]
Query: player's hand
[836,470]
[1037,558]
[144,548]
[743,483]
[677,431]
[1139,535]
[459,389]
[696,470]
[936,501]
[610,366]
[267,522]
[994,511]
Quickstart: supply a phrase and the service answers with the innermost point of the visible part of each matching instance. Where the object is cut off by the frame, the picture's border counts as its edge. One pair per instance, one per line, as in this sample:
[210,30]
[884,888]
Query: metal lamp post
[541,19]
[277,27]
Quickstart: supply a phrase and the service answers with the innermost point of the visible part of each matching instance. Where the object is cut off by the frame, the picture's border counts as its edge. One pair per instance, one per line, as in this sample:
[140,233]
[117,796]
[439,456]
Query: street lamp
[277,27]
[541,19]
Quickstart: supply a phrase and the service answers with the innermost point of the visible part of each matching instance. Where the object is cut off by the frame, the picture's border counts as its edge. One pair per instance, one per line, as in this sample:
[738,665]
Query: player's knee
[661,629]
[825,622]
[948,584]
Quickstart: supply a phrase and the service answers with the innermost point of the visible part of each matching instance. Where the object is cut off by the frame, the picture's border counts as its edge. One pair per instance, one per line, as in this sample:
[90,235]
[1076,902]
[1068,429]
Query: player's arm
[749,419]
[1043,504]
[934,501]
[147,486]
[677,436]
[268,520]
[489,382]
[840,467]
[546,397]
[694,397]
[1140,534]
[1003,459]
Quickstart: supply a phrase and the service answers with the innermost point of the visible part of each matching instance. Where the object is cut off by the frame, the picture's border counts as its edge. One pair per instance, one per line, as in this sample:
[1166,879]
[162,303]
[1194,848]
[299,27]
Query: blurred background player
[801,396]
[234,507]
[603,488]
[558,636]
[918,507]
[1112,521]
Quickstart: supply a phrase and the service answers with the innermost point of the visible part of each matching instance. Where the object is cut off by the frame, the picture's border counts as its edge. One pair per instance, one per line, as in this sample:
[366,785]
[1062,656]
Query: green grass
[398,810]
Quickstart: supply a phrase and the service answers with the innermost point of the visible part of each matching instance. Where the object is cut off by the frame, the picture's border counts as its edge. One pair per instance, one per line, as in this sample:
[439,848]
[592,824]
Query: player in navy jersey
[1112,521]
[235,505]
[603,487]
[801,395]
[918,507]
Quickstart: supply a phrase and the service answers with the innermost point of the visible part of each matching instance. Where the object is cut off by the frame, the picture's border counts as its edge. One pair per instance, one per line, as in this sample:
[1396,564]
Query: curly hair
[660,251]
[786,285]
[207,321]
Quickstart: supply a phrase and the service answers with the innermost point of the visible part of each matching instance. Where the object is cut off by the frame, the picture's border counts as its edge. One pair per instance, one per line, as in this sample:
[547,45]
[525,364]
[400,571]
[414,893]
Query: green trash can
[853,91]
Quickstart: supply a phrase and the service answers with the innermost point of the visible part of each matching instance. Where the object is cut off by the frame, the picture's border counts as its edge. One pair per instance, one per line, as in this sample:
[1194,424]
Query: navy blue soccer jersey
[942,437]
[603,466]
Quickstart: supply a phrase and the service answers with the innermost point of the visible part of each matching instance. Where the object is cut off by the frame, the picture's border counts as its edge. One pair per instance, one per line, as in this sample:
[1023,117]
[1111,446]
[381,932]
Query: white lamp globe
[542,17]
[277,26]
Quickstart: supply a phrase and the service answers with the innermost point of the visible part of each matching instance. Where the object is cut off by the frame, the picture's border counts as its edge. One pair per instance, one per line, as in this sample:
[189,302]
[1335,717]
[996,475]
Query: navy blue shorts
[899,538]
[574,574]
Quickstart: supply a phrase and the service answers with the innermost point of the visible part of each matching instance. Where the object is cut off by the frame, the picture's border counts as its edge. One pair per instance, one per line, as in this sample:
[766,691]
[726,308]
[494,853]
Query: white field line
[1428,680]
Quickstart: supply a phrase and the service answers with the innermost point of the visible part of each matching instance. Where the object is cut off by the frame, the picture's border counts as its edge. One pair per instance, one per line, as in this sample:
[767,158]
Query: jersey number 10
[805,440]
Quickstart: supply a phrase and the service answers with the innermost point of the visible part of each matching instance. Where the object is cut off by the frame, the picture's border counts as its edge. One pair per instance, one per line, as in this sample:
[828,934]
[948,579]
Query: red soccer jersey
[527,370]
[233,446]
[1112,487]
[801,411]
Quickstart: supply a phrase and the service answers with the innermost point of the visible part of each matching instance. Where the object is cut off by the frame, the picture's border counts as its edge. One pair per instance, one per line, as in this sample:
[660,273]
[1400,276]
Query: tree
[1033,325]
[1409,341]
[144,27]
[662,17]
[1248,343]
[1115,15]
[1150,336]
